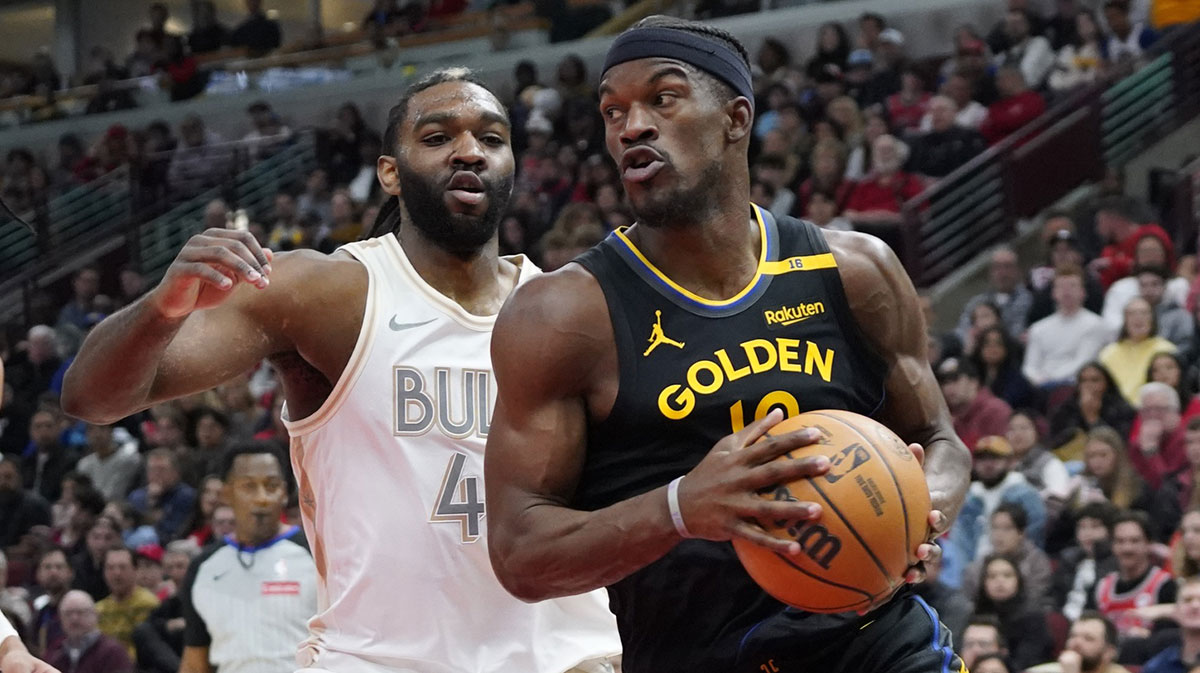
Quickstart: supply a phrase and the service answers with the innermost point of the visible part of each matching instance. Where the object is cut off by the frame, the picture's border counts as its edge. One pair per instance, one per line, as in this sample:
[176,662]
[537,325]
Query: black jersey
[692,371]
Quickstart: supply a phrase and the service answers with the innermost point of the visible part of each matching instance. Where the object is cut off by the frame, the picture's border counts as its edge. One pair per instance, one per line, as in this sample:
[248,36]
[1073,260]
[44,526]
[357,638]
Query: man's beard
[1089,664]
[679,205]
[994,481]
[458,234]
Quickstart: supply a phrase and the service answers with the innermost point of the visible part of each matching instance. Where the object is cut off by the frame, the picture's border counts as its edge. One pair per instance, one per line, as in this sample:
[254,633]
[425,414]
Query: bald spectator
[947,145]
[1018,105]
[878,198]
[1005,290]
[20,510]
[977,412]
[200,162]
[127,604]
[112,468]
[85,649]
[31,370]
[165,501]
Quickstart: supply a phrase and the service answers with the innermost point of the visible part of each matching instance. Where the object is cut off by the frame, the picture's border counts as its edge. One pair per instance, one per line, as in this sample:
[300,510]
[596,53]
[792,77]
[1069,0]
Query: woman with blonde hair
[1108,474]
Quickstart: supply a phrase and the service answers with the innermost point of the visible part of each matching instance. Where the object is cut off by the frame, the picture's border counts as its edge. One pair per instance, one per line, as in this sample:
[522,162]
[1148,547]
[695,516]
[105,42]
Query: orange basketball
[874,514]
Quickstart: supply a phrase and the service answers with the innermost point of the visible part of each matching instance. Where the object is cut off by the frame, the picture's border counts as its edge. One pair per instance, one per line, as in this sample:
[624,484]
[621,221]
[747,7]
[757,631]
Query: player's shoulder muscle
[552,330]
[305,283]
[880,293]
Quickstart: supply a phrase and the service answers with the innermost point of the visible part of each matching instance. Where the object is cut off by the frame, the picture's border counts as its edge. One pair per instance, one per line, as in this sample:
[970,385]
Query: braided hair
[389,212]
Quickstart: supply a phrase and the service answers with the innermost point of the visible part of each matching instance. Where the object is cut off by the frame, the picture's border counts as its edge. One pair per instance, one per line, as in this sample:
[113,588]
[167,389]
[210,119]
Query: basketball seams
[846,522]
[891,473]
[866,594]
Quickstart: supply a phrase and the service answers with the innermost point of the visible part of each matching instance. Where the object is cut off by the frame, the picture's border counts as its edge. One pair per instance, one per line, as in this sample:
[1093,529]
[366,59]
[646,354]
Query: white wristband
[6,629]
[673,506]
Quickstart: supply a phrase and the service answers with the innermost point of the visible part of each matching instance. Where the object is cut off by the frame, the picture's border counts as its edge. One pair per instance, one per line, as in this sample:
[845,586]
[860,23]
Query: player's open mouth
[640,164]
[467,187]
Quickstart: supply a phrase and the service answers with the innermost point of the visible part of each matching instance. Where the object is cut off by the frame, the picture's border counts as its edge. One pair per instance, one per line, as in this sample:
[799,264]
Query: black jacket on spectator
[212,38]
[1067,420]
[1028,636]
[20,511]
[938,153]
[1063,578]
[159,648]
[14,428]
[88,576]
[257,34]
[29,380]
[59,461]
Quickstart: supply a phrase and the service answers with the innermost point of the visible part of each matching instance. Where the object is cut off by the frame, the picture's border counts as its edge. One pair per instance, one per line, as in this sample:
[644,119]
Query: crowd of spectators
[1073,379]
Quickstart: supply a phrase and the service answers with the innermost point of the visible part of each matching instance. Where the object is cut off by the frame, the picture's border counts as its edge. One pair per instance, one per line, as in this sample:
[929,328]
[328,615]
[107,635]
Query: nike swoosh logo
[398,326]
[220,575]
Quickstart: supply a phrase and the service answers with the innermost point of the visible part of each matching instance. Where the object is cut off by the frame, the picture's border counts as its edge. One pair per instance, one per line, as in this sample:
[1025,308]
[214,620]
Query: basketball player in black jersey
[644,372]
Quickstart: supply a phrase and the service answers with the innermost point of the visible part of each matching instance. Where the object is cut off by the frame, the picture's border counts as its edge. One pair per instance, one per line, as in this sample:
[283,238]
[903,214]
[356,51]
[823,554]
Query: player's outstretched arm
[14,658]
[886,307]
[217,312]
[549,354]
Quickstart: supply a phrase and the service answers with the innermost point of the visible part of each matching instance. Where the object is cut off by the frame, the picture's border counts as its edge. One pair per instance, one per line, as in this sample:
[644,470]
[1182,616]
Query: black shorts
[903,636]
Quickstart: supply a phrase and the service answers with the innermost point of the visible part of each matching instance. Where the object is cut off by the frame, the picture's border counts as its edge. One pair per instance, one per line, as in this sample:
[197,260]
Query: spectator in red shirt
[878,198]
[1118,225]
[1018,105]
[1156,444]
[977,412]
[907,107]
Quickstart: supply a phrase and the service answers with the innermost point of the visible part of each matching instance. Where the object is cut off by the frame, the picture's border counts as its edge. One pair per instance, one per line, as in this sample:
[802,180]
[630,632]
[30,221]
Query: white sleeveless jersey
[392,496]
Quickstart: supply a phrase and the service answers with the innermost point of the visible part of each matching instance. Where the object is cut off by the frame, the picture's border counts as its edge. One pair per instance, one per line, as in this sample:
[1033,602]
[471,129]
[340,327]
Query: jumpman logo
[657,337]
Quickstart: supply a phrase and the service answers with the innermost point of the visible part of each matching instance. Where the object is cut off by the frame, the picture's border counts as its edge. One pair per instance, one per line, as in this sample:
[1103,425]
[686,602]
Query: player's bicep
[212,346]
[536,441]
[888,311]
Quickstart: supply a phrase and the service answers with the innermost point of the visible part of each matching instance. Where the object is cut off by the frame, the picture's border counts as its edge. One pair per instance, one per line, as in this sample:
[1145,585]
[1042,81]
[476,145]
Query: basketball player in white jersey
[382,349]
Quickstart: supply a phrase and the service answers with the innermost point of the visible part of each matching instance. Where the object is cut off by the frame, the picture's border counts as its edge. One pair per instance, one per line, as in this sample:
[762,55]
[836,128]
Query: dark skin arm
[212,318]
[888,311]
[552,380]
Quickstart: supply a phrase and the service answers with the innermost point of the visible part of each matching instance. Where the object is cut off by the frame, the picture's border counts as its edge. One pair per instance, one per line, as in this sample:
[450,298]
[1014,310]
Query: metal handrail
[1108,122]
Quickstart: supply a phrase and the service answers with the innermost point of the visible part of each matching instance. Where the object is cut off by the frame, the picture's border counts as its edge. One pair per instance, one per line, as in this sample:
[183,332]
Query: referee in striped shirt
[247,599]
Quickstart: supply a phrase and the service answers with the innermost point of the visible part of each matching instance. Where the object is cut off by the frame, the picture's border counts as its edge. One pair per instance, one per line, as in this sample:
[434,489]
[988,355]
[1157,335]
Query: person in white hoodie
[1062,342]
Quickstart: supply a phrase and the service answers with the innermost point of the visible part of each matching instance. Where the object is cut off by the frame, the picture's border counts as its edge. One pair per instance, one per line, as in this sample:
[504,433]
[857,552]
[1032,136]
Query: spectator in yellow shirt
[128,605]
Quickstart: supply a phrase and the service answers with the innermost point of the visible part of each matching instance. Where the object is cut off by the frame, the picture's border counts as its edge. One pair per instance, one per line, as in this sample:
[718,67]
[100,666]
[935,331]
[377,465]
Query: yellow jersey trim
[824,260]
[666,280]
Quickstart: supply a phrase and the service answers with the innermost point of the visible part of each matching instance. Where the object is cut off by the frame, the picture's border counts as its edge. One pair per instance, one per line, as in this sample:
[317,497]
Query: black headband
[710,56]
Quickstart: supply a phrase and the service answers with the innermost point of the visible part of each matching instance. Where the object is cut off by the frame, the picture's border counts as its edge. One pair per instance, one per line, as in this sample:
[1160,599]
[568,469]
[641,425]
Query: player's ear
[739,119]
[389,177]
